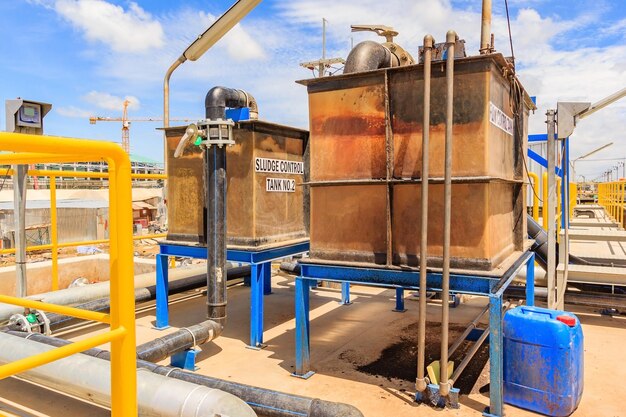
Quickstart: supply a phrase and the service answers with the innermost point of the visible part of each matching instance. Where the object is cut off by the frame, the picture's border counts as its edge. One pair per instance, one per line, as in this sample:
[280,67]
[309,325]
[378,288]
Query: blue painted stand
[399,300]
[493,287]
[185,359]
[260,282]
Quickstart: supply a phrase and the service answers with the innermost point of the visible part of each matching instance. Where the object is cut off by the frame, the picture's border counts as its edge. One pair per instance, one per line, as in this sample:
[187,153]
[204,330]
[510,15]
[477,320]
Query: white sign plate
[499,119]
[278,166]
[280,185]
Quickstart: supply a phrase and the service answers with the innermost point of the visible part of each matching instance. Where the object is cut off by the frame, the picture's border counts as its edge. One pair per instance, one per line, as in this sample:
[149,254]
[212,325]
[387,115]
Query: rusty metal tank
[365,163]
[265,194]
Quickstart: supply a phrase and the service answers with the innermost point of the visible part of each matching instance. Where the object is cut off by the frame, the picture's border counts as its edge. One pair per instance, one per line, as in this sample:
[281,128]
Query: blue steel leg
[345,293]
[399,300]
[162,309]
[496,358]
[303,346]
[530,281]
[256,305]
[267,278]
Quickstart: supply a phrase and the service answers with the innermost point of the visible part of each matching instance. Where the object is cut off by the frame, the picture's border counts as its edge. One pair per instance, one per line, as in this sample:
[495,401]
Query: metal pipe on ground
[268,403]
[179,341]
[444,384]
[79,295]
[467,331]
[142,295]
[89,379]
[420,381]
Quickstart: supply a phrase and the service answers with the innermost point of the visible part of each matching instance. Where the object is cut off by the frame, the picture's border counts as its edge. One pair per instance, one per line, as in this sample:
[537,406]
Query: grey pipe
[444,384]
[89,379]
[485,28]
[268,403]
[79,295]
[368,56]
[420,382]
[467,331]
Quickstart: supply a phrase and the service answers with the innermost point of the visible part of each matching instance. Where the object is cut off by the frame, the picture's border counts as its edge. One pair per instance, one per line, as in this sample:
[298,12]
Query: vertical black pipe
[215,175]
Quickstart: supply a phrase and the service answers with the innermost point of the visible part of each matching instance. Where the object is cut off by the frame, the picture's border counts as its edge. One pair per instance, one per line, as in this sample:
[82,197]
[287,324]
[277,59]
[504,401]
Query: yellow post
[122,316]
[534,183]
[544,213]
[559,214]
[54,237]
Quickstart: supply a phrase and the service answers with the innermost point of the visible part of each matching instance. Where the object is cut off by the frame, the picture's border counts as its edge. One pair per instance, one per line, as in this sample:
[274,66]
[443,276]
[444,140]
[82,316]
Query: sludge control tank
[265,194]
[366,158]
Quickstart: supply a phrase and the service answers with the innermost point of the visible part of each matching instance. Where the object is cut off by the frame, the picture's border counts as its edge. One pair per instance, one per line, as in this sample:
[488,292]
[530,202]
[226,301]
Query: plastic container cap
[569,320]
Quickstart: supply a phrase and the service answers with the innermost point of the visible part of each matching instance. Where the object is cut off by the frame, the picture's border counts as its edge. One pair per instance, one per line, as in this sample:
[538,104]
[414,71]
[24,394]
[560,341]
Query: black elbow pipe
[218,99]
[265,402]
[368,56]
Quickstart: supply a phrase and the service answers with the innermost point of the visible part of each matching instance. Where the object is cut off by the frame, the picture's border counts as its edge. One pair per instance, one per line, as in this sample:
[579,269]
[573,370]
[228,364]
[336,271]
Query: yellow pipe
[54,308]
[30,362]
[54,237]
[535,186]
[84,174]
[45,158]
[123,361]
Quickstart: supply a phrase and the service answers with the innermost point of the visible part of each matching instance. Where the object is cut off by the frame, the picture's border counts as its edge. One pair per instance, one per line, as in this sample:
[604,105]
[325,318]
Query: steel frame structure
[492,287]
[260,283]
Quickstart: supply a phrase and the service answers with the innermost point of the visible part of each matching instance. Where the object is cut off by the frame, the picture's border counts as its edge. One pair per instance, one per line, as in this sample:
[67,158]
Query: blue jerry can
[543,360]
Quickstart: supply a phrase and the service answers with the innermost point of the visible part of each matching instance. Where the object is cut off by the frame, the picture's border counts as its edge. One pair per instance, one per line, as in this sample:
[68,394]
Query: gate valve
[381,30]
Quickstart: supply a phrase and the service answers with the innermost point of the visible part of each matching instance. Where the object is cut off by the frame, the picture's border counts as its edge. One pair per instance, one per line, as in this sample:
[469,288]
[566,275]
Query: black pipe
[168,345]
[540,247]
[265,402]
[368,56]
[58,321]
[218,99]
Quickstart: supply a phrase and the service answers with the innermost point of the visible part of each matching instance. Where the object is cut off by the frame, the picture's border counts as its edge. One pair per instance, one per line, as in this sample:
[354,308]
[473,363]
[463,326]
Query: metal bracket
[217,132]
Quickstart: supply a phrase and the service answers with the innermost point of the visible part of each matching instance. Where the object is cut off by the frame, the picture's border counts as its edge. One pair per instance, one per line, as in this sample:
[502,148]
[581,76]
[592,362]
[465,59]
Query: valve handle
[190,133]
[381,30]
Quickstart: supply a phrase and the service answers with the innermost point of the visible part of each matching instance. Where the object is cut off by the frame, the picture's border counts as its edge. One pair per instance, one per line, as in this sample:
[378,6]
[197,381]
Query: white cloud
[126,31]
[73,111]
[110,102]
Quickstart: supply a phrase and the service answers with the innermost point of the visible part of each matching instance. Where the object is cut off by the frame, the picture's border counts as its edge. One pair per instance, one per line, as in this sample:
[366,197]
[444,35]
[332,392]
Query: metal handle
[190,133]
[381,30]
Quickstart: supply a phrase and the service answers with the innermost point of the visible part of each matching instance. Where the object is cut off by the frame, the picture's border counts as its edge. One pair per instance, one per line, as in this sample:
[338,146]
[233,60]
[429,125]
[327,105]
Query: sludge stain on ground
[399,360]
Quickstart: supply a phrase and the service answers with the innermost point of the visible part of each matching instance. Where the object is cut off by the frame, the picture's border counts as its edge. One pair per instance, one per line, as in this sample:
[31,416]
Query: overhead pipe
[89,379]
[420,382]
[266,402]
[444,384]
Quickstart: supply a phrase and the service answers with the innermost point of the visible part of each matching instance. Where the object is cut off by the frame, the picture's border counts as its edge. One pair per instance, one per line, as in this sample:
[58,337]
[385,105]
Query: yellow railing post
[534,184]
[122,310]
[54,237]
[544,210]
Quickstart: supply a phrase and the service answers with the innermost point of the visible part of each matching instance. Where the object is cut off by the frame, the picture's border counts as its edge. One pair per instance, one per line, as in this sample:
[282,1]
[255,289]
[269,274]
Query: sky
[86,56]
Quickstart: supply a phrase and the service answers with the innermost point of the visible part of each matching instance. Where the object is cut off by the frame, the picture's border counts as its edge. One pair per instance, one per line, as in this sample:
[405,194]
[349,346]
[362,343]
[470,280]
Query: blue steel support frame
[260,282]
[493,287]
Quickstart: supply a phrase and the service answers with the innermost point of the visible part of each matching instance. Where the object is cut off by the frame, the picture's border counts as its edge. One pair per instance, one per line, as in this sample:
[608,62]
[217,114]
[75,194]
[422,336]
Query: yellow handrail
[535,194]
[53,175]
[611,196]
[122,311]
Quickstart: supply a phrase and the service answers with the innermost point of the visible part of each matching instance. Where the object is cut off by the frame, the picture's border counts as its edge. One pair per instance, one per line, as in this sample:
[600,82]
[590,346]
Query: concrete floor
[341,337]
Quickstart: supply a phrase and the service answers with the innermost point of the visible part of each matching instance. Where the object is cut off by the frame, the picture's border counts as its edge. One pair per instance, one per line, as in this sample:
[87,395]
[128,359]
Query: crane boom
[126,123]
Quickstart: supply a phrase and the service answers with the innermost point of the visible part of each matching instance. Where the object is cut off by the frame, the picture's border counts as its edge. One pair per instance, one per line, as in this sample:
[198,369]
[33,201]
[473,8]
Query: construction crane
[126,123]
